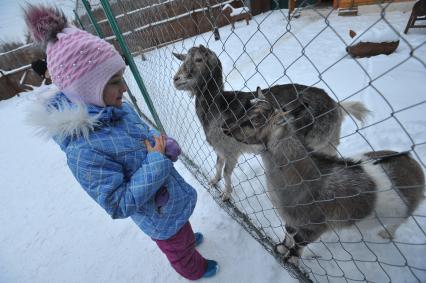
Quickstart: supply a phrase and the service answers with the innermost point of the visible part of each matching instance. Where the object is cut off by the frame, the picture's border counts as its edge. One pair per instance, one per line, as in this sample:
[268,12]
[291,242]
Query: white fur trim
[65,121]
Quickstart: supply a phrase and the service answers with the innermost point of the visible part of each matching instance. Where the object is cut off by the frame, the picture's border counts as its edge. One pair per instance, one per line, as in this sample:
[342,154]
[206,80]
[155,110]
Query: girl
[110,151]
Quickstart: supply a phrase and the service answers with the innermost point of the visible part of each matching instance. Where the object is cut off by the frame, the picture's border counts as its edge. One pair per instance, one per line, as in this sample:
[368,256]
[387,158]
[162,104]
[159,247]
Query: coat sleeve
[104,181]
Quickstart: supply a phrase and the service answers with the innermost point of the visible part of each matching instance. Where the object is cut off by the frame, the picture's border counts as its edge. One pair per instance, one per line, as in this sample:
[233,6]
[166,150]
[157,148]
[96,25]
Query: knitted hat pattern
[79,63]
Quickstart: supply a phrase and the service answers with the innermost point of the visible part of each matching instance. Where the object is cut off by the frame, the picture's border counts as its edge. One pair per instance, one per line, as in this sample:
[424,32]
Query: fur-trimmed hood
[55,116]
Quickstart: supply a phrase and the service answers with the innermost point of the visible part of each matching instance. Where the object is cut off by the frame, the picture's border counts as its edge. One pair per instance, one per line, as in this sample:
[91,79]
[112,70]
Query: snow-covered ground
[311,50]
[53,232]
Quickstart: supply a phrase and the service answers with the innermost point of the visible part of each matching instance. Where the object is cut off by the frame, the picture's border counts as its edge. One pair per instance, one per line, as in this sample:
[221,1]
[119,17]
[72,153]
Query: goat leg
[227,172]
[220,161]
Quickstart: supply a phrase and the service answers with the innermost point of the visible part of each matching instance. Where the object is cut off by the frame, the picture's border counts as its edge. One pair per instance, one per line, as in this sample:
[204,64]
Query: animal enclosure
[276,50]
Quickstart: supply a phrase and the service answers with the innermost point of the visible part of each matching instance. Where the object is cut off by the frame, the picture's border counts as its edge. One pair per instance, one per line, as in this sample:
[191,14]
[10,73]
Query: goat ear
[260,93]
[202,48]
[179,56]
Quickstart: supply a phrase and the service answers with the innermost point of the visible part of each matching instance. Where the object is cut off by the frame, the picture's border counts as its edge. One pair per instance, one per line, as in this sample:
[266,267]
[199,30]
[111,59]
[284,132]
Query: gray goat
[319,117]
[314,192]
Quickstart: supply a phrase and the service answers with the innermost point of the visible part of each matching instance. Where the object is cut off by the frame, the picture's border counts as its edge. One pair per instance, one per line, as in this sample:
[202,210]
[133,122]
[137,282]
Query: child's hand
[160,144]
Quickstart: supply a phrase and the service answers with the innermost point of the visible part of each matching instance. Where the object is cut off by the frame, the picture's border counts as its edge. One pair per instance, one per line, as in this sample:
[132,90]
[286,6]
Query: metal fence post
[78,20]
[92,18]
[132,65]
[213,21]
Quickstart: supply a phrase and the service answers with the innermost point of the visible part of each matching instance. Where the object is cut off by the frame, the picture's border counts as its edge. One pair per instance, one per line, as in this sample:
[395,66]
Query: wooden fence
[15,68]
[148,24]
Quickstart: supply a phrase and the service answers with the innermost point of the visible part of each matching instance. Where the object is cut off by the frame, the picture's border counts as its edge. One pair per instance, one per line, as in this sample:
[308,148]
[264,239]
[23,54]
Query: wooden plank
[291,6]
[259,6]
[355,3]
[353,11]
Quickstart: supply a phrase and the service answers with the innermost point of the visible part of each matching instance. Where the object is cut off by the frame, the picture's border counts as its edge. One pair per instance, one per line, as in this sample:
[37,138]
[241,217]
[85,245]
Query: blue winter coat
[107,155]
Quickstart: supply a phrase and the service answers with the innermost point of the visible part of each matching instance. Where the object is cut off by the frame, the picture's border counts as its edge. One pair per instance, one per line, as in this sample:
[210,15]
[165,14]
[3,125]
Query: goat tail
[355,108]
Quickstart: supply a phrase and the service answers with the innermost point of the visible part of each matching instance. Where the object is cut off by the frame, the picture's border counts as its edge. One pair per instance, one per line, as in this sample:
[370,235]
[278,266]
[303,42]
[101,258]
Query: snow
[236,11]
[14,71]
[53,232]
[16,49]
[377,34]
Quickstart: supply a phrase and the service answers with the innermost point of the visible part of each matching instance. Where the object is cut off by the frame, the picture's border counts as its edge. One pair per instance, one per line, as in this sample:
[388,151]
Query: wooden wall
[154,24]
[354,3]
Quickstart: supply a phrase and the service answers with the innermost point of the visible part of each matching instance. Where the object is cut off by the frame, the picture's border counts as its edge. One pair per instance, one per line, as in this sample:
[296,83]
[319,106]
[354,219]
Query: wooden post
[291,7]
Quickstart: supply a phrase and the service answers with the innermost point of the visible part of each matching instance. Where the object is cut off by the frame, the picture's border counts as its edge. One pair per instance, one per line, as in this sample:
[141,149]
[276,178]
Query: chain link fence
[306,46]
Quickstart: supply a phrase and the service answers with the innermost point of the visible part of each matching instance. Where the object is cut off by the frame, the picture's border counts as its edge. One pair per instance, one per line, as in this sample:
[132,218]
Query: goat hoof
[225,196]
[214,181]
[293,260]
[282,250]
[286,253]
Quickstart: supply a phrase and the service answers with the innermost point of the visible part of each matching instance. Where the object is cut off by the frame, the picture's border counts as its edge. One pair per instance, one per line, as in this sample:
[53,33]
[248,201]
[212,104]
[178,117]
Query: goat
[319,116]
[314,192]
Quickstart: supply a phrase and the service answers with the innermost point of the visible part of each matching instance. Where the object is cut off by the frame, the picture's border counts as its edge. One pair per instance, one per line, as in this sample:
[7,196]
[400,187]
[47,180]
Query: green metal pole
[99,32]
[132,65]
[92,18]
[78,19]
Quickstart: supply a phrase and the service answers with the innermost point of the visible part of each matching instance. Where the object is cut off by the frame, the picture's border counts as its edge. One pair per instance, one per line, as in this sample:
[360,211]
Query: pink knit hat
[79,63]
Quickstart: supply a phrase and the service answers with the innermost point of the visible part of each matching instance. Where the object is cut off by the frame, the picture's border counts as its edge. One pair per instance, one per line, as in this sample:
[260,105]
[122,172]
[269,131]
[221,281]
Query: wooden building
[261,6]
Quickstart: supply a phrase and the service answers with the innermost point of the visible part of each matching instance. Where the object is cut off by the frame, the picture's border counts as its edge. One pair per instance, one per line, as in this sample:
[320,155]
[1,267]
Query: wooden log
[368,49]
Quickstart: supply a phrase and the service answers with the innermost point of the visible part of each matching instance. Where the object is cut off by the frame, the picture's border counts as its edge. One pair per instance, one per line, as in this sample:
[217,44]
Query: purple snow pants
[180,251]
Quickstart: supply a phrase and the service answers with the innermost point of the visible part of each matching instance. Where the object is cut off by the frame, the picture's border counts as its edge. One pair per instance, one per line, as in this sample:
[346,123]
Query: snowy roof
[236,11]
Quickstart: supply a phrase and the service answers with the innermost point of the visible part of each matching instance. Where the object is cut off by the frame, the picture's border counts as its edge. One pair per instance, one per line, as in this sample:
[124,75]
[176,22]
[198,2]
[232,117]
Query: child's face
[114,89]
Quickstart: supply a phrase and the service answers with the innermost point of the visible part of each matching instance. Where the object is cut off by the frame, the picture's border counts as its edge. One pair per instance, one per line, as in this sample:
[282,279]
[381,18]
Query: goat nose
[176,78]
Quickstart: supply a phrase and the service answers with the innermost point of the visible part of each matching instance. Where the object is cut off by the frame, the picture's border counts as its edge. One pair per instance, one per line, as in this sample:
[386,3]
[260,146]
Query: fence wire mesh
[307,46]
